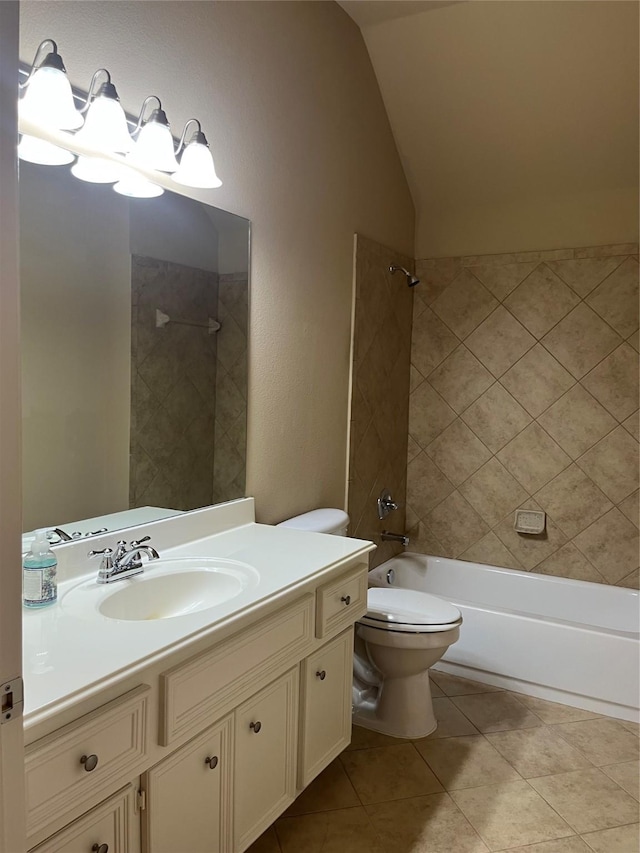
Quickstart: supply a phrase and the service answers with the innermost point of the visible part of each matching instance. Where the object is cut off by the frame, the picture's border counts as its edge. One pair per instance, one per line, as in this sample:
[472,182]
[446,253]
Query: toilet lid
[408,609]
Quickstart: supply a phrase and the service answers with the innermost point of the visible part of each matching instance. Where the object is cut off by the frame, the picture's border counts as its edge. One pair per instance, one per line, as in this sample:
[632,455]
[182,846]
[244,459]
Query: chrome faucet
[386,504]
[394,537]
[124,562]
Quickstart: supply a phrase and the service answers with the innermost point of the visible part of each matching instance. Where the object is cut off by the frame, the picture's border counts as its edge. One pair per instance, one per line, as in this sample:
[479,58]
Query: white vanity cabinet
[210,748]
[189,796]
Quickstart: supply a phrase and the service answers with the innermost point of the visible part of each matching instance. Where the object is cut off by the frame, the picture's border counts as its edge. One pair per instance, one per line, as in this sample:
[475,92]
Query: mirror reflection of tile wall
[173,385]
[524,393]
[188,386]
[229,462]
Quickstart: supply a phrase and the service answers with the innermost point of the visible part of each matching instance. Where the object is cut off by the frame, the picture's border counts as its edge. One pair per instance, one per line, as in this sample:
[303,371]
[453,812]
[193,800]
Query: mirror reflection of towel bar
[163,319]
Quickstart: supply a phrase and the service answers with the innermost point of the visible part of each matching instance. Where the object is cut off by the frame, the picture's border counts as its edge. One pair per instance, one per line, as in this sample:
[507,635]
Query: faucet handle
[106,566]
[136,542]
[105,552]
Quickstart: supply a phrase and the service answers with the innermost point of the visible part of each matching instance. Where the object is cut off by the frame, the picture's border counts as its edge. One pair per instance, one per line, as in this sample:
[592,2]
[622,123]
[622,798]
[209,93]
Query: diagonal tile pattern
[536,355]
[541,301]
[189,388]
[538,785]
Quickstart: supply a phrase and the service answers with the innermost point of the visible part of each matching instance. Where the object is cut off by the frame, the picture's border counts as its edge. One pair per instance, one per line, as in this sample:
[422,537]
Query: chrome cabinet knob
[346,599]
[322,674]
[212,762]
[255,726]
[90,762]
[100,848]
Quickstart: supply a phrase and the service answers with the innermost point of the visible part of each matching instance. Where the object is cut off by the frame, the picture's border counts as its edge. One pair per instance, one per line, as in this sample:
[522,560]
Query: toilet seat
[409,611]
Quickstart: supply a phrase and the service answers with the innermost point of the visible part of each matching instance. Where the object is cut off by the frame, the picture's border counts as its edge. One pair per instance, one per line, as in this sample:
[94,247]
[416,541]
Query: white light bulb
[105,127]
[35,150]
[48,100]
[153,148]
[97,170]
[196,168]
[135,186]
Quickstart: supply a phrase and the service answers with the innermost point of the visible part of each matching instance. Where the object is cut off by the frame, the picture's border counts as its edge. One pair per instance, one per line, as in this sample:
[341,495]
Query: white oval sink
[166,589]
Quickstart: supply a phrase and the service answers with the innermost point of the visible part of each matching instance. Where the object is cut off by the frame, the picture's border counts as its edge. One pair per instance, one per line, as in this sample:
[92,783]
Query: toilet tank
[334,521]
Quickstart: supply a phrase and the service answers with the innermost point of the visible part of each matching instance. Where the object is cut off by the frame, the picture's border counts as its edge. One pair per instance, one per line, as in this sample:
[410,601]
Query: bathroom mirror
[134,353]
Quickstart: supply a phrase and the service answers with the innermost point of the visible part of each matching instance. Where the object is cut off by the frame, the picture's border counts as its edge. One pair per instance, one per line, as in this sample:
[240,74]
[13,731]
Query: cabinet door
[111,827]
[326,706]
[189,796]
[266,730]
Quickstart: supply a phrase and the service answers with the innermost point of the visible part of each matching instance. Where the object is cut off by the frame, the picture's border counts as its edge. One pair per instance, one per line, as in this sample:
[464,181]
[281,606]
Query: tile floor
[502,772]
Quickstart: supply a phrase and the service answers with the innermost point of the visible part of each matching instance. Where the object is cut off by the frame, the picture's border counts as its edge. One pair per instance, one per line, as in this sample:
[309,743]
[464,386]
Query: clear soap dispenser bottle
[39,573]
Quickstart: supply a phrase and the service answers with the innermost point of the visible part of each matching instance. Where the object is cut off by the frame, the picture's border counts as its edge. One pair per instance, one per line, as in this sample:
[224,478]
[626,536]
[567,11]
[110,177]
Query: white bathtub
[564,640]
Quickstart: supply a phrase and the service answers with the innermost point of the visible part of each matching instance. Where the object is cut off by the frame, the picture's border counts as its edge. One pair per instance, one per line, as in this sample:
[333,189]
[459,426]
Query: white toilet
[403,633]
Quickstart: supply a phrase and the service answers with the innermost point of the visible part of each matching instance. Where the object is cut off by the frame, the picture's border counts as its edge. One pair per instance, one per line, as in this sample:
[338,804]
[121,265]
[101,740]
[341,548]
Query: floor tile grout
[368,809]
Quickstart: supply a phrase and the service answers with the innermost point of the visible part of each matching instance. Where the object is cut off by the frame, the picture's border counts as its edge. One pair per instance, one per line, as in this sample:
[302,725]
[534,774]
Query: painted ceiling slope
[368,12]
[516,122]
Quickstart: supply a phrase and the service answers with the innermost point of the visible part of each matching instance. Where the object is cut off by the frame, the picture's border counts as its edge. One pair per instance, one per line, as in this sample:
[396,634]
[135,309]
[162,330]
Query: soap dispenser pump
[39,573]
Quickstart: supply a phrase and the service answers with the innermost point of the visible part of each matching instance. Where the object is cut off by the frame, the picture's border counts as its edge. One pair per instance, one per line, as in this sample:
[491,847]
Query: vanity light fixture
[104,131]
[105,126]
[48,99]
[196,163]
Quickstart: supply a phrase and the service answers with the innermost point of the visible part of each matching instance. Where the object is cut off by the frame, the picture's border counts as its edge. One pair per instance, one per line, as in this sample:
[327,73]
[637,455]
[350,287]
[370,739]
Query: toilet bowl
[403,633]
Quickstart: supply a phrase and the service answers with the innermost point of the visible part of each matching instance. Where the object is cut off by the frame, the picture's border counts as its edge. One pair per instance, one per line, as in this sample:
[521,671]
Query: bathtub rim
[551,693]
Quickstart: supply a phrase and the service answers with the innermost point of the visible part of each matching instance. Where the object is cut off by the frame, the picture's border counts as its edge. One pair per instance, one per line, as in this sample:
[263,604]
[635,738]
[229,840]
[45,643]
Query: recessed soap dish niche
[530,521]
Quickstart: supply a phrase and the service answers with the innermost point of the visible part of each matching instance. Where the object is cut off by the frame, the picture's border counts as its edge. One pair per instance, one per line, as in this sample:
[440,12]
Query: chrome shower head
[411,279]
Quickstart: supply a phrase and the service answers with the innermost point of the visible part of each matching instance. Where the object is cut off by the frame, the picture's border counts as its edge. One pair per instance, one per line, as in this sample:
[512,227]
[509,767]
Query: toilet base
[399,707]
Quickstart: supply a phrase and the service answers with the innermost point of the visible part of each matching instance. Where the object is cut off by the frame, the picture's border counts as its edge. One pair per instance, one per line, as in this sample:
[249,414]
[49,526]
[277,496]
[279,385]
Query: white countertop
[70,654]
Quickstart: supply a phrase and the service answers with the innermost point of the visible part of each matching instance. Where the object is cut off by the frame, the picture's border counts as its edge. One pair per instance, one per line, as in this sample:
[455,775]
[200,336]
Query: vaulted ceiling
[516,122]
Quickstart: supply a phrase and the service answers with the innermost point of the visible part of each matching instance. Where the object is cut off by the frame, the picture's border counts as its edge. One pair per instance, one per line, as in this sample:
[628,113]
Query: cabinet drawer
[327,676]
[68,770]
[341,602]
[211,684]
[112,823]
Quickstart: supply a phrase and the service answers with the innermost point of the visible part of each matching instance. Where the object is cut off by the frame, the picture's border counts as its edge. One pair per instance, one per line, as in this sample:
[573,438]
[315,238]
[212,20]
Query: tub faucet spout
[394,537]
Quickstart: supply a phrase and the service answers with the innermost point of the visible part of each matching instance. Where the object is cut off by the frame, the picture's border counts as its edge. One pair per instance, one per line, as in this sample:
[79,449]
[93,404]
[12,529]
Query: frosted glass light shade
[48,101]
[196,168]
[105,127]
[154,148]
[96,170]
[135,186]
[35,150]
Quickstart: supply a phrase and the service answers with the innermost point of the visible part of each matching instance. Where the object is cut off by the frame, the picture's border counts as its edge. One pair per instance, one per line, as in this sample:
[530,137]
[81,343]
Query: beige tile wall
[173,385]
[229,464]
[524,393]
[380,395]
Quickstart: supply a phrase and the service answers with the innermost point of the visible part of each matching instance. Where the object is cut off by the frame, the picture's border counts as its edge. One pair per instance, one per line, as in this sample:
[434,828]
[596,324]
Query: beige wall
[517,122]
[289,102]
[524,394]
